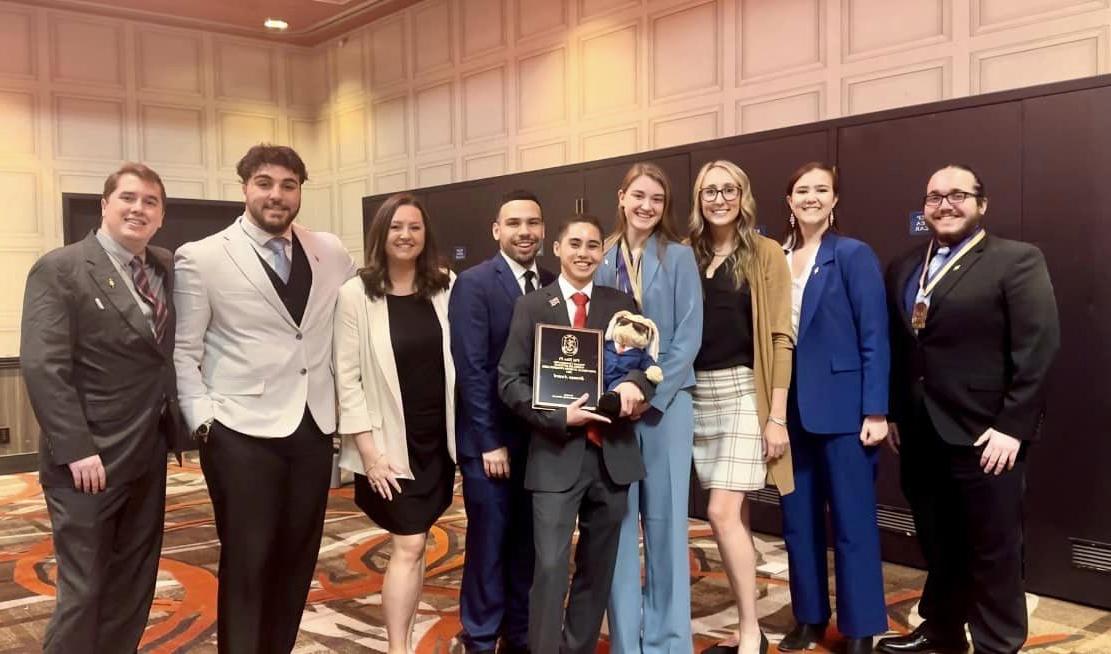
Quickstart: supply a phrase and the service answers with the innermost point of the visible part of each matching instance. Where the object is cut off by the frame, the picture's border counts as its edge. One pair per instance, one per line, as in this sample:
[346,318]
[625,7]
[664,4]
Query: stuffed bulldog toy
[632,343]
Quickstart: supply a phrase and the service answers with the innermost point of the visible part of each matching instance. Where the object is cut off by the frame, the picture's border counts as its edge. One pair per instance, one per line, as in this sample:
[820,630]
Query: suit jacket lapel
[556,311]
[816,284]
[649,264]
[308,245]
[108,280]
[378,324]
[243,254]
[900,291]
[506,279]
[545,276]
[600,311]
[955,274]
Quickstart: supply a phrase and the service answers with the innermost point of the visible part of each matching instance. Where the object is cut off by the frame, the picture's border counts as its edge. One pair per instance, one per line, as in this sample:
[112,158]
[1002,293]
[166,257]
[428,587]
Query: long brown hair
[432,276]
[793,237]
[663,231]
[702,240]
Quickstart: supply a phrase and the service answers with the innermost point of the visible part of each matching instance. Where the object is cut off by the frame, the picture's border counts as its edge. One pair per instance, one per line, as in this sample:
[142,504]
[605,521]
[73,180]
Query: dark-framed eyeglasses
[710,193]
[954,198]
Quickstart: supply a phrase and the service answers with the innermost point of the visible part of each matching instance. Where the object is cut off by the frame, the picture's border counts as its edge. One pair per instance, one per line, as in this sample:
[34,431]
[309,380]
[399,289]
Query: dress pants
[656,619]
[837,471]
[599,505]
[269,496]
[498,565]
[107,546]
[969,526]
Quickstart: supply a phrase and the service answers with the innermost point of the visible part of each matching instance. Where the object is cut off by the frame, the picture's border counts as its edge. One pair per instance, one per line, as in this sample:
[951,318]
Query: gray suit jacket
[556,452]
[98,380]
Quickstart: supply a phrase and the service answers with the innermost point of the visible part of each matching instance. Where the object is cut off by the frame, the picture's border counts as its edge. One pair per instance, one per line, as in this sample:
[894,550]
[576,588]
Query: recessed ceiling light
[275,24]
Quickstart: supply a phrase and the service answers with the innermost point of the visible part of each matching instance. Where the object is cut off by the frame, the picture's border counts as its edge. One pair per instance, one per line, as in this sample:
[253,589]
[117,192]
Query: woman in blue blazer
[645,258]
[836,412]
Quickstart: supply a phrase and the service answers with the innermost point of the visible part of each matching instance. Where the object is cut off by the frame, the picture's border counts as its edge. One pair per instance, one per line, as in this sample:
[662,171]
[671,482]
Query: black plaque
[567,363]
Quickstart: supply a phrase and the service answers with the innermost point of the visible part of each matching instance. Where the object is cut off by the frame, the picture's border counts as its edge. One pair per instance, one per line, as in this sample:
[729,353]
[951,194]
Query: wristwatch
[203,429]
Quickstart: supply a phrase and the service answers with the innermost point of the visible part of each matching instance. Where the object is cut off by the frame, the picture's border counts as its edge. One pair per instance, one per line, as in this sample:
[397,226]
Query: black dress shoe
[921,641]
[802,637]
[858,645]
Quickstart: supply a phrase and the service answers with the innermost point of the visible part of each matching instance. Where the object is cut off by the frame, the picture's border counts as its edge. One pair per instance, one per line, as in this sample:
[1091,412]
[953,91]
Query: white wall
[449,90]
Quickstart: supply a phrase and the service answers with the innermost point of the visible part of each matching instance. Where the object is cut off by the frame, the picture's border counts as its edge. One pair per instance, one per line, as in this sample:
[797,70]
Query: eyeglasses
[710,193]
[954,198]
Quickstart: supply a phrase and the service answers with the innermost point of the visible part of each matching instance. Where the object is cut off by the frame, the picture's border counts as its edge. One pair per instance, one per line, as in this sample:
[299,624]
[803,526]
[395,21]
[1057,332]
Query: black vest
[295,292]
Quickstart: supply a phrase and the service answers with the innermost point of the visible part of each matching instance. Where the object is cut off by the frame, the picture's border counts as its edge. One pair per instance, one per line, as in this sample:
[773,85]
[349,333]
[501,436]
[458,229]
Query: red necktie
[593,432]
[158,307]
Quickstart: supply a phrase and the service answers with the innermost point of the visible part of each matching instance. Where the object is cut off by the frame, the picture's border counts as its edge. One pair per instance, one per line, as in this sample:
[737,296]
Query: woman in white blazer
[392,342]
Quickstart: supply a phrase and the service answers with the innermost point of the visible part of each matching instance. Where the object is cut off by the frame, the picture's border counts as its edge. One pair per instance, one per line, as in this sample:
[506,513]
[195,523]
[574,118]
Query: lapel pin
[111,283]
[554,302]
[956,267]
[816,269]
[98,304]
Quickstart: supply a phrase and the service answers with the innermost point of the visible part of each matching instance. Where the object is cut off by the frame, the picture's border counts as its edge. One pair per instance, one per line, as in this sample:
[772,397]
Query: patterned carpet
[344,611]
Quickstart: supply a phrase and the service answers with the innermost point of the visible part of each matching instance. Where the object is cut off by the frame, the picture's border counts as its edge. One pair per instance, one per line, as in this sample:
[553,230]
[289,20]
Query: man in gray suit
[97,357]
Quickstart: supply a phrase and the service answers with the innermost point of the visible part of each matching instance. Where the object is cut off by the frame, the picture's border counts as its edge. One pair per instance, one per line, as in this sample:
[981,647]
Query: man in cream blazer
[253,359]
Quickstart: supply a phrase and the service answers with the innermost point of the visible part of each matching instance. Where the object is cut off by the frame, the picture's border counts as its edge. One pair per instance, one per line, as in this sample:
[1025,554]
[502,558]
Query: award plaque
[567,363]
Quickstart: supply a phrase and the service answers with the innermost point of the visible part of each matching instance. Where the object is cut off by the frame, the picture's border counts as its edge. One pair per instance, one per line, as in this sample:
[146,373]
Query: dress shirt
[121,260]
[798,286]
[260,237]
[519,272]
[568,290]
[910,293]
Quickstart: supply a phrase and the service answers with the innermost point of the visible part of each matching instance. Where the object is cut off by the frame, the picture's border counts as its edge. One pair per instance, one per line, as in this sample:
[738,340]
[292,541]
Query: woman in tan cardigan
[742,374]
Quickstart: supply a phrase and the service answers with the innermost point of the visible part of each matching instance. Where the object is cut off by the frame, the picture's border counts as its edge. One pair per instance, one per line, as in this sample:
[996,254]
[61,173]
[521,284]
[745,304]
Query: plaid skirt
[728,444]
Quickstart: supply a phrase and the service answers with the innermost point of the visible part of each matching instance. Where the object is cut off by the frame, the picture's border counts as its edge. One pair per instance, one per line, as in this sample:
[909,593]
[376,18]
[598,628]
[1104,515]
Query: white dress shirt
[259,237]
[568,290]
[519,271]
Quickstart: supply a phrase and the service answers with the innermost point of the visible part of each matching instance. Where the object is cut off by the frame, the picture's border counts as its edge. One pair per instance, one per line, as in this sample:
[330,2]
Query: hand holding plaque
[566,365]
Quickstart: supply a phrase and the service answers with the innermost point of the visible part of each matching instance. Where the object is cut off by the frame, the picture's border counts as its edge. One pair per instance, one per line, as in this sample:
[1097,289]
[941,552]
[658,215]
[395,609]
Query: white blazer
[240,357]
[367,387]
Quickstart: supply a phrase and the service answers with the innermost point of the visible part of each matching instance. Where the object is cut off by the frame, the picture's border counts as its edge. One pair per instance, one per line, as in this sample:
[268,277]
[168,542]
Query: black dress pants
[599,506]
[107,546]
[969,526]
[269,496]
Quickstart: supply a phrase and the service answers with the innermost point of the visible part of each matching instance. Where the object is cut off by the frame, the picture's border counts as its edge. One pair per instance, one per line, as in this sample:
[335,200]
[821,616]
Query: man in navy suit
[491,442]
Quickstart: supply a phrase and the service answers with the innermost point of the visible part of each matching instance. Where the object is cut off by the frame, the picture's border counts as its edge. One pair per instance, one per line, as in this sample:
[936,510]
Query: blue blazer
[842,356]
[672,293]
[479,314]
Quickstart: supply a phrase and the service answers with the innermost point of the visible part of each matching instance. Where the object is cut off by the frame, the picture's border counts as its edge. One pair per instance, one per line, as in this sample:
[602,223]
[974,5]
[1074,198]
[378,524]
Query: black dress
[419,356]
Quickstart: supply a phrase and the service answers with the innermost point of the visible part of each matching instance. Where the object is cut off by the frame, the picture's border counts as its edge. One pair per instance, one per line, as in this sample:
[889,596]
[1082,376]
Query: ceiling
[310,21]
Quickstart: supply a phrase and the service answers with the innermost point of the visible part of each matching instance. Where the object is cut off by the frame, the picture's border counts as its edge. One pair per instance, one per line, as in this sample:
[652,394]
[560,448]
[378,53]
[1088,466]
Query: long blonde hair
[702,240]
[663,232]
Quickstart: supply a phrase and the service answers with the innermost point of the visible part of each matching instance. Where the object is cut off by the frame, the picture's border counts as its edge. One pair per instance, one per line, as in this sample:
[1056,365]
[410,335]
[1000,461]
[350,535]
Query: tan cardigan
[773,341]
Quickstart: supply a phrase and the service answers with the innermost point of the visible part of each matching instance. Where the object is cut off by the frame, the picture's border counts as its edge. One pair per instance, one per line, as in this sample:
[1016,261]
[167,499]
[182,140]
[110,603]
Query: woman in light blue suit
[836,412]
[645,258]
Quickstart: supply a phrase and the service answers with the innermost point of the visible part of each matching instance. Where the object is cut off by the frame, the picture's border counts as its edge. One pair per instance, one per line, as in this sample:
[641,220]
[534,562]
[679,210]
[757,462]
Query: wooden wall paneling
[16,414]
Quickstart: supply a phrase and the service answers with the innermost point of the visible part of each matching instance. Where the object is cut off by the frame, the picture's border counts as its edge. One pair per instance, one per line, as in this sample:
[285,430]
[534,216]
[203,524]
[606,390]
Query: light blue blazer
[671,298]
[842,356]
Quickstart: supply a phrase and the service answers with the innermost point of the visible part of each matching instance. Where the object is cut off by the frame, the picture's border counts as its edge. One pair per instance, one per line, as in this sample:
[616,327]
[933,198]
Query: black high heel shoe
[733,649]
[802,637]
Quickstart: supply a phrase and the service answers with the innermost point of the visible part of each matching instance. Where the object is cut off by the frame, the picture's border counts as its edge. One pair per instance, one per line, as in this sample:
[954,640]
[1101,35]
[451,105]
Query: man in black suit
[97,357]
[578,466]
[492,442]
[974,331]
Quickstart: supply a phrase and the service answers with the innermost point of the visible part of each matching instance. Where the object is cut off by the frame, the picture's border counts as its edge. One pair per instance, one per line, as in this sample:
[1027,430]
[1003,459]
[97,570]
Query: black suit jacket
[98,380]
[990,337]
[556,452]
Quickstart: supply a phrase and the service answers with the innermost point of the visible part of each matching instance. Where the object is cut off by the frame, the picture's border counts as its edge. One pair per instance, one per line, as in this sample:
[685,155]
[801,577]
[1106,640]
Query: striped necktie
[160,312]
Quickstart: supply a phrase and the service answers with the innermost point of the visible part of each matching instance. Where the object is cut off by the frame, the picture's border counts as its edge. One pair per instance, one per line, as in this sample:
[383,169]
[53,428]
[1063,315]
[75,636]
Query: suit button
[299,336]
[304,371]
[922,380]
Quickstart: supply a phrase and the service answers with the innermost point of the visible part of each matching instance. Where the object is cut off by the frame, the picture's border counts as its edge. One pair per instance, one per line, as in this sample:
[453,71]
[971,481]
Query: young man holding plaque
[580,464]
[973,333]
[491,442]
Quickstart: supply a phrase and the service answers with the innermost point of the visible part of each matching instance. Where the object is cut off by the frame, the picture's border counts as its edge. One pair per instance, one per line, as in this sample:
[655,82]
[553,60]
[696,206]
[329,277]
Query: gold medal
[918,316]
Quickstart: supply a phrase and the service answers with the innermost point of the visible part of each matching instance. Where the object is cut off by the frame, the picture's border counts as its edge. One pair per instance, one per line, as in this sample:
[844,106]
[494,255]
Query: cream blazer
[367,388]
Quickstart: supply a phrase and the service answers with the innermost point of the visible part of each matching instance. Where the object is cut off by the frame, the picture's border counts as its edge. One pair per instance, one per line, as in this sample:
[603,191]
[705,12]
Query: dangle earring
[791,221]
[831,219]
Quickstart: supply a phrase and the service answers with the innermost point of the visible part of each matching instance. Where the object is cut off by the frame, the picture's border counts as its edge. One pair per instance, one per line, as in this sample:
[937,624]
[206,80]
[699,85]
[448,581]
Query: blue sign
[760,230]
[460,252]
[918,224]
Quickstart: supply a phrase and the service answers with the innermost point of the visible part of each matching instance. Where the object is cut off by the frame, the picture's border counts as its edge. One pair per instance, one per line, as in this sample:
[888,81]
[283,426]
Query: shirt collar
[117,251]
[956,247]
[568,290]
[519,270]
[258,234]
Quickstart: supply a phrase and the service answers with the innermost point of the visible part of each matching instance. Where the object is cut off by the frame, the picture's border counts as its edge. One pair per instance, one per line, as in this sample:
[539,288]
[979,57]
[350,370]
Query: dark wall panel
[1067,213]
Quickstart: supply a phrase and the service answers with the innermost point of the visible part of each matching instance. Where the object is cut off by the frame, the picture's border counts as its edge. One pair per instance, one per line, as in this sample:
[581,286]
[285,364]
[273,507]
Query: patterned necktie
[529,285]
[142,284]
[281,260]
[593,431]
[937,262]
